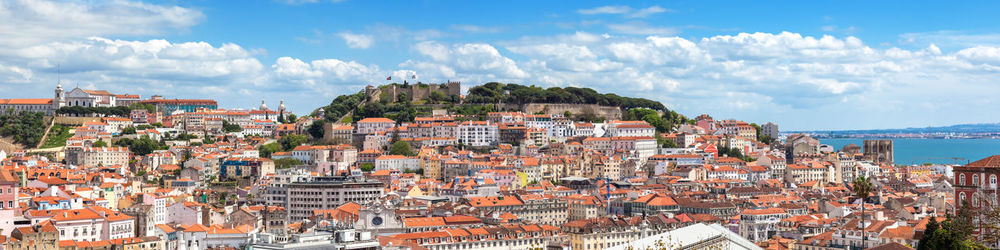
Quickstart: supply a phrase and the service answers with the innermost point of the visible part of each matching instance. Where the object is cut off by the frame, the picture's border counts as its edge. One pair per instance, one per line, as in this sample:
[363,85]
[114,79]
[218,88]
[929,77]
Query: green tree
[401,97]
[286,162]
[436,96]
[229,127]
[862,189]
[316,129]
[367,167]
[100,144]
[267,149]
[400,148]
[128,130]
[25,128]
[925,240]
[669,144]
[141,146]
[289,142]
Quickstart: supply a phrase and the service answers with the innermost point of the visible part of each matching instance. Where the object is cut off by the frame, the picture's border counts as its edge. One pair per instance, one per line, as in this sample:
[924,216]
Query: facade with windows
[301,198]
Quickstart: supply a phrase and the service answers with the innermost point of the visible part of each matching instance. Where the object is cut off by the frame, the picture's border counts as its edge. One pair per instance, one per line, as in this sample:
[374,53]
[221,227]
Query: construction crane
[956,159]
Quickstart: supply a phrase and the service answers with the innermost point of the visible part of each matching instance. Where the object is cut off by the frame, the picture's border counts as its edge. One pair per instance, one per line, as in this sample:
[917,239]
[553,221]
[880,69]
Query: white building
[630,128]
[697,236]
[396,162]
[477,133]
[760,224]
[89,98]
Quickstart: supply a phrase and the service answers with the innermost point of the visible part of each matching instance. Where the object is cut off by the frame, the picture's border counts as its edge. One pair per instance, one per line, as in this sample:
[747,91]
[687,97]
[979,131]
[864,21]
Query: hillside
[495,92]
[403,103]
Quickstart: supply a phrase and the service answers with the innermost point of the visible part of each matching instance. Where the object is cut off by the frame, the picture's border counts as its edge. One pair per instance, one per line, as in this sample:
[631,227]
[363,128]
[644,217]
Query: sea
[938,151]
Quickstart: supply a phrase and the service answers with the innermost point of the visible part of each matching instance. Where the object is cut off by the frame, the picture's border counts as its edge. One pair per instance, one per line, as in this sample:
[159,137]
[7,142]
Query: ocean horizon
[939,151]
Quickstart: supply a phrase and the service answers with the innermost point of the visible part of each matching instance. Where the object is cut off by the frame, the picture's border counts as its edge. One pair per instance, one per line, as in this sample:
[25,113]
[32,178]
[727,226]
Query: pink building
[8,202]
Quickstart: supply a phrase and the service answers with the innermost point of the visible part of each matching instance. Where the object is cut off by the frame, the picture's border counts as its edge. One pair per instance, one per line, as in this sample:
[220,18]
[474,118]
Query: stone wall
[415,92]
[78,121]
[609,112]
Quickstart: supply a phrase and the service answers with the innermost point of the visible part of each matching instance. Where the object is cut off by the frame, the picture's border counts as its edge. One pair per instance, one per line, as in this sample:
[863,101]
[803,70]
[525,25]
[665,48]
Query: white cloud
[27,22]
[14,74]
[357,41]
[476,29]
[640,28]
[471,58]
[649,11]
[799,81]
[620,9]
[624,10]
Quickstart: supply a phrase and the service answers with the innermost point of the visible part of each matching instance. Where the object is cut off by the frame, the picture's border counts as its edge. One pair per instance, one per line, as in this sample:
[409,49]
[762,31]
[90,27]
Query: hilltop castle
[415,92]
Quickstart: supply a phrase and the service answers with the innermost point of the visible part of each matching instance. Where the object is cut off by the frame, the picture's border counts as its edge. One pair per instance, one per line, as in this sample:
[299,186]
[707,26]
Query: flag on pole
[388,78]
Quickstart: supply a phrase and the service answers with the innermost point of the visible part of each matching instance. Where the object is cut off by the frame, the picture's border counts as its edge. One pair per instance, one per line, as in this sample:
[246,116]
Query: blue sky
[802,64]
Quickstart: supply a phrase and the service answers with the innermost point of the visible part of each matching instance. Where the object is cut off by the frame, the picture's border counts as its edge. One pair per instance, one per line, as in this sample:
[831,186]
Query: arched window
[975,179]
[961,198]
[961,179]
[975,200]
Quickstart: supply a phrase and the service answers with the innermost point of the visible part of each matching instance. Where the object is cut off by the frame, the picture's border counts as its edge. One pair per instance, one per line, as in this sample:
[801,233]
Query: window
[961,198]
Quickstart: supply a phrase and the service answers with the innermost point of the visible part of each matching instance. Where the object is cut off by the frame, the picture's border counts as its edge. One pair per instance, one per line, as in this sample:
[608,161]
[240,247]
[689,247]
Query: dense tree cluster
[955,232]
[342,105]
[495,92]
[401,148]
[287,162]
[267,149]
[141,146]
[25,128]
[663,124]
[229,127]
[289,142]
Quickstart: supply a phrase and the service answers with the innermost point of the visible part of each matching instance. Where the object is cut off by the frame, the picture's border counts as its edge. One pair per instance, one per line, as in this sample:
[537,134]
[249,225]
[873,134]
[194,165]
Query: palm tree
[862,189]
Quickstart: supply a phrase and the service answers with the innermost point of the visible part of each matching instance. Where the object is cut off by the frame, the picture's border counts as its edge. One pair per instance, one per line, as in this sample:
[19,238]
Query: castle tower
[281,107]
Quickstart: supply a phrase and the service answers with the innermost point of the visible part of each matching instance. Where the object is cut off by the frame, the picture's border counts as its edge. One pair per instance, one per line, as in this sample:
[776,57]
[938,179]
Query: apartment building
[478,133]
[301,198]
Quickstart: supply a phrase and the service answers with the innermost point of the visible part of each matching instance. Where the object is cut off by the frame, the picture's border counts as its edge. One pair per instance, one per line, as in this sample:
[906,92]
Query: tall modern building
[769,129]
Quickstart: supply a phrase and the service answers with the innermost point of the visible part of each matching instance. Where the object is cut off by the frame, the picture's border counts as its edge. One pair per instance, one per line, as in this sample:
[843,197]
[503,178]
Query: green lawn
[57,136]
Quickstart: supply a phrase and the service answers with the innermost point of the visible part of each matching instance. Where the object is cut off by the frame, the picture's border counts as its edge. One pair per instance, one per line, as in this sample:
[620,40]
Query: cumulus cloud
[33,21]
[800,81]
[357,41]
[471,58]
